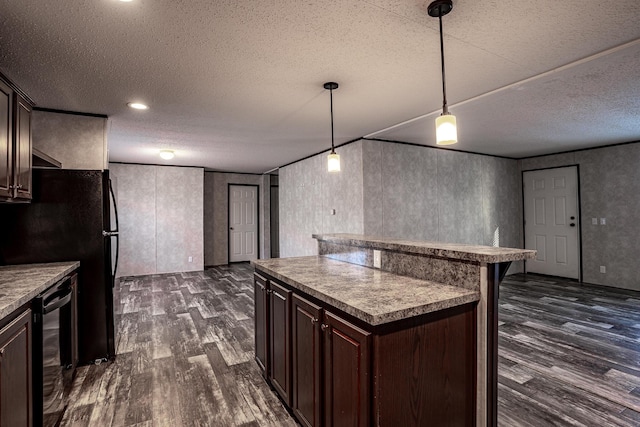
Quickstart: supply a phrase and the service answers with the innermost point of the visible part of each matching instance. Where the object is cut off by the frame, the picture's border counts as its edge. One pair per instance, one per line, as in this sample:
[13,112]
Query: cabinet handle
[1,352]
[19,187]
[314,320]
[324,327]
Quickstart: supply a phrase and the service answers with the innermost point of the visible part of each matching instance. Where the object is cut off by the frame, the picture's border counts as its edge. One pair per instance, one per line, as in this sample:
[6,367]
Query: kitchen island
[383,331]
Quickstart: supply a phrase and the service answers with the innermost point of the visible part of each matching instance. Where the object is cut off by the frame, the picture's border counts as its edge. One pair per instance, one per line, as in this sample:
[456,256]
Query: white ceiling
[236,85]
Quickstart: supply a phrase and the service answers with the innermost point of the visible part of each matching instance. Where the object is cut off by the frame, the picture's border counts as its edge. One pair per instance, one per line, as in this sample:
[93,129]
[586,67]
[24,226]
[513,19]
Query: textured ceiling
[237,85]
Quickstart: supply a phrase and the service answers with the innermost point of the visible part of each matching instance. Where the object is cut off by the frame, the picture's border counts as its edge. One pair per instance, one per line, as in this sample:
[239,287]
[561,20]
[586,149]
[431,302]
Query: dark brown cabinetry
[15,372]
[307,361]
[346,373]
[279,371]
[334,370]
[15,144]
[6,140]
[261,304]
[329,354]
[22,152]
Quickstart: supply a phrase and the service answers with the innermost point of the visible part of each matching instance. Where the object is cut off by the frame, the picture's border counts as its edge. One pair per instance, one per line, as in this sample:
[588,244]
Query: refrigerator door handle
[115,207]
[110,233]
[114,233]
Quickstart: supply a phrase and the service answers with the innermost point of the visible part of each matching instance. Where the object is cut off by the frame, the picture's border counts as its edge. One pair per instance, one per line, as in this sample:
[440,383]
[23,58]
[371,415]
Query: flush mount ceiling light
[167,154]
[137,106]
[446,131]
[333,159]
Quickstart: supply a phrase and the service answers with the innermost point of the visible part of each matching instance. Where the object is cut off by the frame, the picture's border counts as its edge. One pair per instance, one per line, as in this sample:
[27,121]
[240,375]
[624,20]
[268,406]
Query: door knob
[230,228]
[573,217]
[572,224]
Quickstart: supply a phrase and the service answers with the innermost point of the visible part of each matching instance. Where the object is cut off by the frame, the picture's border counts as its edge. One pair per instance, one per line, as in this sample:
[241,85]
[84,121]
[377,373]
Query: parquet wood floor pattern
[569,355]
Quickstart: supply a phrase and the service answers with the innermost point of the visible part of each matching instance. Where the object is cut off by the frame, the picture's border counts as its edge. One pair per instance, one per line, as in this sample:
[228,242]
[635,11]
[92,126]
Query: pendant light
[446,131]
[166,154]
[333,159]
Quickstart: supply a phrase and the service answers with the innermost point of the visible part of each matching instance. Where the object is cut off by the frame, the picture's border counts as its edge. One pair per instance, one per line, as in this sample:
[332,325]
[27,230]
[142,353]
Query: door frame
[257,219]
[579,214]
[271,187]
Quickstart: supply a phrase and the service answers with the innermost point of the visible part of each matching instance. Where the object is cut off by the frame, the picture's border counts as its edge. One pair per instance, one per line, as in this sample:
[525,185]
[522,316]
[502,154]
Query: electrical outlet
[190,259]
[377,259]
[594,221]
[603,269]
[333,211]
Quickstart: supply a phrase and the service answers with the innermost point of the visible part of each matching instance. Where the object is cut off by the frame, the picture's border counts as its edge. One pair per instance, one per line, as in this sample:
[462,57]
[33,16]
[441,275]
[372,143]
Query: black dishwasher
[55,351]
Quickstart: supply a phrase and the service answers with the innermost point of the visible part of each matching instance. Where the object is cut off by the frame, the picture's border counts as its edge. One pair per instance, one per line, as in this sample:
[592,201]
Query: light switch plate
[377,259]
[594,221]
[603,269]
[603,221]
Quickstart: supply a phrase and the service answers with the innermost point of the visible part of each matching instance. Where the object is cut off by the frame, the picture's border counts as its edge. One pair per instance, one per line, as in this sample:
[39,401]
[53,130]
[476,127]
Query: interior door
[243,222]
[551,214]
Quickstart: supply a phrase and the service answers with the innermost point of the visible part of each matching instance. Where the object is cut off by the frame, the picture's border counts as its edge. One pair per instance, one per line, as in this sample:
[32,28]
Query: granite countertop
[371,295]
[488,254]
[19,284]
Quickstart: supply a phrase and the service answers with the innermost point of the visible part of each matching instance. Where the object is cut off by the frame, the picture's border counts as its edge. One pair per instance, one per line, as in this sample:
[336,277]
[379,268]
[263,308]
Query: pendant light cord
[445,109]
[331,97]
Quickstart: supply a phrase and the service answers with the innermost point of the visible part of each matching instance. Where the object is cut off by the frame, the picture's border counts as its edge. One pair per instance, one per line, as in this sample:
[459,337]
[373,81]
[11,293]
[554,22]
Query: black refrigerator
[72,217]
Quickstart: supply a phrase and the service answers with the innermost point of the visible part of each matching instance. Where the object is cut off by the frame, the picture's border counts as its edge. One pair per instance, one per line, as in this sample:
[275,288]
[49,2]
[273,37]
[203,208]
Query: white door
[243,223]
[551,218]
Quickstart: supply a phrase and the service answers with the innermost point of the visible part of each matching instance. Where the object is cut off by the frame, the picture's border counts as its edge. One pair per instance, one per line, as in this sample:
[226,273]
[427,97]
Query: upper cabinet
[15,144]
[6,140]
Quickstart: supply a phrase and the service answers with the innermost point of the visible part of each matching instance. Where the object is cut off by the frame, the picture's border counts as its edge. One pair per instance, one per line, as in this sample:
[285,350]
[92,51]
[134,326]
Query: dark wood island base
[381,332]
[412,372]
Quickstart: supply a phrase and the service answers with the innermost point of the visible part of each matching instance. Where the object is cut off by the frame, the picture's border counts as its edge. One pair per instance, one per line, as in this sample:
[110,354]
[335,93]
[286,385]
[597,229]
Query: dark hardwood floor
[569,355]
[184,357]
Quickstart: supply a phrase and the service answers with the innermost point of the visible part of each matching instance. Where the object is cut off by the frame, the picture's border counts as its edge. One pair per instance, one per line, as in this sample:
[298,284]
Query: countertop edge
[32,293]
[466,296]
[438,249]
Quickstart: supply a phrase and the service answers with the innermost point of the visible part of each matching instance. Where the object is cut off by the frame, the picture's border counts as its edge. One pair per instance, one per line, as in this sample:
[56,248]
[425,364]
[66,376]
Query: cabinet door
[261,321]
[15,372]
[6,140]
[280,341]
[346,373]
[22,155]
[306,361]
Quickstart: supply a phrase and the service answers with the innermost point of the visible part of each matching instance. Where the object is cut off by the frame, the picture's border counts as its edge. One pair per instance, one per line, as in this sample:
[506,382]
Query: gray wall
[78,142]
[308,192]
[609,188]
[160,211]
[403,191]
[216,211]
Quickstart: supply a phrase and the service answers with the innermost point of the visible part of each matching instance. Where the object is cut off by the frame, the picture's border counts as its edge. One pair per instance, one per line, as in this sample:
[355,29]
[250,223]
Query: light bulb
[333,162]
[446,130]
[137,106]
[166,154]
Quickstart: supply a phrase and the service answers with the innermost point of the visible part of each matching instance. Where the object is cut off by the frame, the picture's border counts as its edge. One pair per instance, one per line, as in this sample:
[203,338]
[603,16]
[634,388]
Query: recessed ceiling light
[137,106]
[126,1]
[166,154]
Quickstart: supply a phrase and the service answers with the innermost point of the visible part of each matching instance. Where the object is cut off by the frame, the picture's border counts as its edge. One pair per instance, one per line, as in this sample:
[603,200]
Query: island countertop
[21,283]
[371,295]
[487,254]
